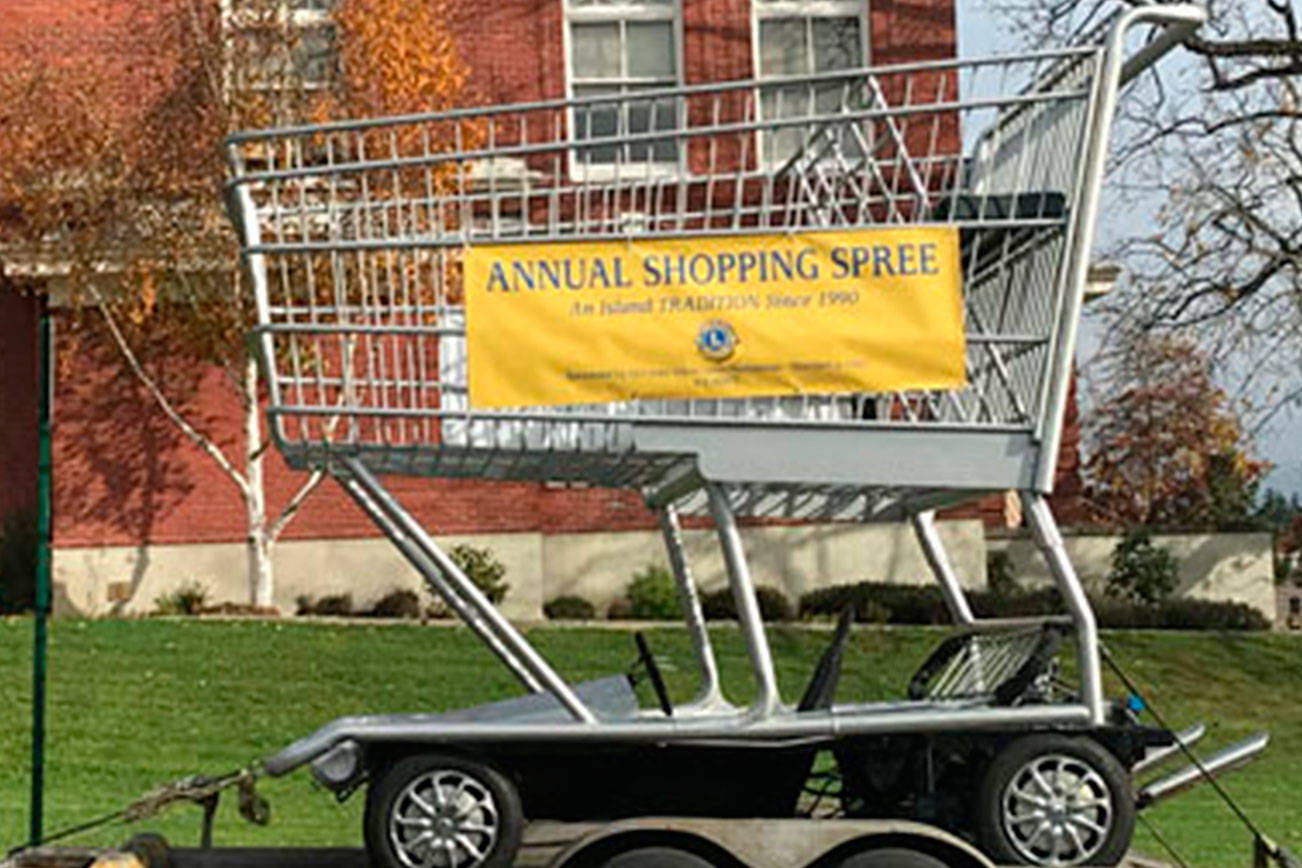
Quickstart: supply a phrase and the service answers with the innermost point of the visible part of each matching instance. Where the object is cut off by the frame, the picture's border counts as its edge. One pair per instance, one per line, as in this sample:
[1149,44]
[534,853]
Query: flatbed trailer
[646,842]
[739,843]
[671,841]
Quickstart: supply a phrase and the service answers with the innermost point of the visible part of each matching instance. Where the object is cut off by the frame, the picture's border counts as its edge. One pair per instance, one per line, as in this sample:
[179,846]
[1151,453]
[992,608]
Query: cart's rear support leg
[767,698]
[446,578]
[1045,531]
[429,572]
[924,527]
[710,695]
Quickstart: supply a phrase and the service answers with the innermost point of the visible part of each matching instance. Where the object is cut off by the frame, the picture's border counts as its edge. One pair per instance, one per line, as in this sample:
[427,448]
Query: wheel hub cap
[444,819]
[1057,811]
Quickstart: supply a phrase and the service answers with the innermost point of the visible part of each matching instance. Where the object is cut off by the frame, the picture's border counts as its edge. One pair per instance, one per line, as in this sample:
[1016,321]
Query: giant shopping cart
[416,280]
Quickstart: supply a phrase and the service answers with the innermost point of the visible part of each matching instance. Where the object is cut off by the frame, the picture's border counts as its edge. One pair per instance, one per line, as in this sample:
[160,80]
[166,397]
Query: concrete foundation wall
[795,560]
[597,566]
[1235,567]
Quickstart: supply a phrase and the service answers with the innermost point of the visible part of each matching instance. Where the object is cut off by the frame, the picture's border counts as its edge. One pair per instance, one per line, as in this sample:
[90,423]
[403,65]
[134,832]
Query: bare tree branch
[1211,145]
[204,442]
[291,508]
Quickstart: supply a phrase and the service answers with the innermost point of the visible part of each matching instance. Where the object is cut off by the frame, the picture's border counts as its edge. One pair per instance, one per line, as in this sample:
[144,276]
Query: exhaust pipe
[1185,737]
[1235,756]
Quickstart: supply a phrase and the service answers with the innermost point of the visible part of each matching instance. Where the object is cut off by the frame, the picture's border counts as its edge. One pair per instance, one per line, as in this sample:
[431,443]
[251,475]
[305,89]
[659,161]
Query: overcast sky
[980,33]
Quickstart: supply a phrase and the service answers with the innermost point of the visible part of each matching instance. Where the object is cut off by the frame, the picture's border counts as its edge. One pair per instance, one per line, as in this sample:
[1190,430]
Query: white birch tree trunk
[262,580]
[261,532]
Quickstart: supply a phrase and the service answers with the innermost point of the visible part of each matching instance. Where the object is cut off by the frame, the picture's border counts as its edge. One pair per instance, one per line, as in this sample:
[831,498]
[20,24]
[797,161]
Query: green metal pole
[42,613]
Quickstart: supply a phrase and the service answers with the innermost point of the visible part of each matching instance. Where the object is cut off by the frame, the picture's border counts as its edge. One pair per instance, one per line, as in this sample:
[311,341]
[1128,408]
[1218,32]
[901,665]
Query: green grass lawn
[136,703]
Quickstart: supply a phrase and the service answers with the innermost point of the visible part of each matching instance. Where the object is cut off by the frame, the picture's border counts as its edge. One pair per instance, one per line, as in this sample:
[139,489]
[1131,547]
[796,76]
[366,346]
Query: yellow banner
[722,317]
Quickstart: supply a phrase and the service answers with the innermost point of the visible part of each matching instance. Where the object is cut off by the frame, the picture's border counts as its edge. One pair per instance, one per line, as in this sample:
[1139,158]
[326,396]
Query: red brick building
[125,477]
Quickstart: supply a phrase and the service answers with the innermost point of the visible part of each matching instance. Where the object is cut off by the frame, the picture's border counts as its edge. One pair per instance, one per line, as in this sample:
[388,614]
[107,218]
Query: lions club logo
[717,341]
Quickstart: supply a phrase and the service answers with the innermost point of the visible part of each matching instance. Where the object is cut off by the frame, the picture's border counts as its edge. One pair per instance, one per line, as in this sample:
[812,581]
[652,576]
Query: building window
[804,37]
[280,44]
[622,47]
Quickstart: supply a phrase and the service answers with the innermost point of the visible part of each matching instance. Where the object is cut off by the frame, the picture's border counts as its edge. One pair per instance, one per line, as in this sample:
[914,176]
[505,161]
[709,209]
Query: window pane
[596,121]
[314,54]
[595,49]
[651,49]
[781,143]
[785,102]
[837,44]
[648,116]
[783,49]
[833,99]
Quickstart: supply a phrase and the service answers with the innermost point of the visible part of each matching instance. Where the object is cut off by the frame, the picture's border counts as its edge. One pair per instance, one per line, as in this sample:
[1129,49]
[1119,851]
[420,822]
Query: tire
[1055,799]
[462,812]
[656,857]
[891,857]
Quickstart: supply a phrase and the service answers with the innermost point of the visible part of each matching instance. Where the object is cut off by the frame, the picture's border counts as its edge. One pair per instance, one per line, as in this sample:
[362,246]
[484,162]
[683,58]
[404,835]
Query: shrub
[188,599]
[1141,572]
[241,609]
[909,604]
[652,595]
[18,562]
[874,612]
[1016,603]
[1001,575]
[1178,614]
[569,608]
[336,604]
[718,605]
[619,609]
[483,569]
[773,604]
[881,603]
[397,604]
[1285,569]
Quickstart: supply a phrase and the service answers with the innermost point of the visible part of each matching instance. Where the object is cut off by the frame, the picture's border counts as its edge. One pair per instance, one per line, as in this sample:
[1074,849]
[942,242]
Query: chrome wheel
[1057,810]
[444,818]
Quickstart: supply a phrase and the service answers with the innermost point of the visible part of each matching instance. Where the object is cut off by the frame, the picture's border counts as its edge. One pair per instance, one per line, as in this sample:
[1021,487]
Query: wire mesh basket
[356,233]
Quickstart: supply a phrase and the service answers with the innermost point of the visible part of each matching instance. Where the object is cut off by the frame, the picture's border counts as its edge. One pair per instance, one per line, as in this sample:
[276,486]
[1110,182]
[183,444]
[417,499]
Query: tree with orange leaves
[1166,448]
[113,170]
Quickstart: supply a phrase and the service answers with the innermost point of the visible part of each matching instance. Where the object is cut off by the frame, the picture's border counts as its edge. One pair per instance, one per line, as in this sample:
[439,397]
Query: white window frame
[761,10]
[287,13]
[620,12]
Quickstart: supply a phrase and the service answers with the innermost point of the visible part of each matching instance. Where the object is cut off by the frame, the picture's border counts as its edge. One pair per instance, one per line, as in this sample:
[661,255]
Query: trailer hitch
[205,792]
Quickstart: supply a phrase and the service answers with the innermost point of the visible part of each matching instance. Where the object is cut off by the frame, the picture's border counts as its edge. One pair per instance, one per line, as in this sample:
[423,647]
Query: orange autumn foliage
[112,174]
[1167,449]
[113,165]
[397,57]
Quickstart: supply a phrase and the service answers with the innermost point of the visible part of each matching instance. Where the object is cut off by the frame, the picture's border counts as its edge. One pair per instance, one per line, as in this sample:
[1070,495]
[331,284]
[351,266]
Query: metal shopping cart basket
[443,295]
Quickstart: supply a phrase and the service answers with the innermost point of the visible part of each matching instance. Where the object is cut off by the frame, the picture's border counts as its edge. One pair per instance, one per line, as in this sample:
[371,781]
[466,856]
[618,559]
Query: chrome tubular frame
[924,528]
[767,698]
[449,581]
[709,696]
